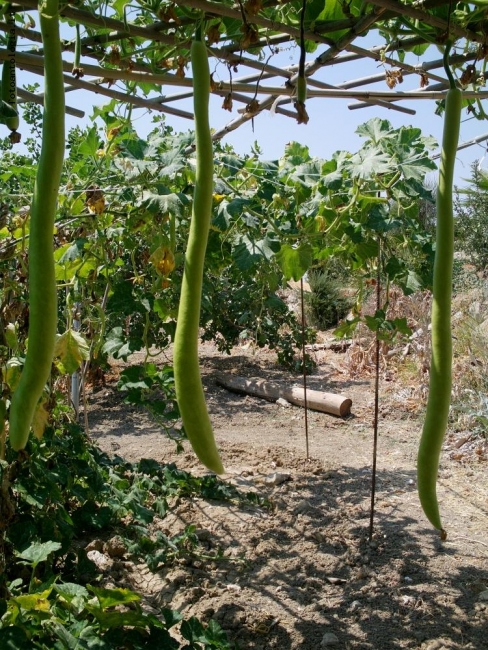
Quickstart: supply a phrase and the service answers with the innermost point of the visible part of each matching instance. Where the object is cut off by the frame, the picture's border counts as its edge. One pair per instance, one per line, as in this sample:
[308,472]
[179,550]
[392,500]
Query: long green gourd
[42,283]
[301,83]
[9,78]
[439,399]
[188,383]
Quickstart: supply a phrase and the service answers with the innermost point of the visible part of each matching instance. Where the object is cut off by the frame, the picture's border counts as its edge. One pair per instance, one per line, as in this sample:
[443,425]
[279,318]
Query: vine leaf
[40,420]
[113,597]
[295,262]
[370,162]
[37,552]
[12,638]
[171,203]
[375,130]
[72,349]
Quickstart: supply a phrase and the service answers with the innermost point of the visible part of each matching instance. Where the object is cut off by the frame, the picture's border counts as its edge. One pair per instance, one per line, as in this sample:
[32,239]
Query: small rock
[282,402]
[277,478]
[94,545]
[329,639]
[362,573]
[101,561]
[336,581]
[177,578]
[435,644]
[208,613]
[475,308]
[483,597]
[203,534]
[115,547]
[194,594]
[318,536]
[242,482]
[302,506]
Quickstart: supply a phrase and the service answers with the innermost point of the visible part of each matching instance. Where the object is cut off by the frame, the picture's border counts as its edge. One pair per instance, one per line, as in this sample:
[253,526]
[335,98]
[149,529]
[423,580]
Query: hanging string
[304,367]
[376,396]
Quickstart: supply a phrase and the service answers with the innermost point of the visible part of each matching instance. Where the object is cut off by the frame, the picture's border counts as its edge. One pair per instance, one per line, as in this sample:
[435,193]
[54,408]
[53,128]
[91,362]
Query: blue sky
[331,126]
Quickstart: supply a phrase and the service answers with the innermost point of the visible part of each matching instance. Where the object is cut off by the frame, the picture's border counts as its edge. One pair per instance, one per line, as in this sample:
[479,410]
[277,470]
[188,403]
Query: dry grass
[405,361]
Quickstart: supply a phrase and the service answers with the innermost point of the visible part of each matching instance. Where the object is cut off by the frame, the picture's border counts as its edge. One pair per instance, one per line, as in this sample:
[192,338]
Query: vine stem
[447,67]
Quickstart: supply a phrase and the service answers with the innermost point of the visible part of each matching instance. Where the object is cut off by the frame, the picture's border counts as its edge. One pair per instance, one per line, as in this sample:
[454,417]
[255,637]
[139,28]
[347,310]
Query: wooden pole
[316,400]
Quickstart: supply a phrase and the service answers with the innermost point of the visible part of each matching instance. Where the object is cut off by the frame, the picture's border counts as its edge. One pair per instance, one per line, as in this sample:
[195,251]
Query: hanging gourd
[437,414]
[42,282]
[188,382]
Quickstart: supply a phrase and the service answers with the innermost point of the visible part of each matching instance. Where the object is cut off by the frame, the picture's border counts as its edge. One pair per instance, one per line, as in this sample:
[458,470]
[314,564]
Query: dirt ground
[305,575]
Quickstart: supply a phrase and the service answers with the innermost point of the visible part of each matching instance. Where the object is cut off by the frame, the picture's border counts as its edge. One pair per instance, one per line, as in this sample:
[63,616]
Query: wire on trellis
[260,30]
[304,368]
[376,398]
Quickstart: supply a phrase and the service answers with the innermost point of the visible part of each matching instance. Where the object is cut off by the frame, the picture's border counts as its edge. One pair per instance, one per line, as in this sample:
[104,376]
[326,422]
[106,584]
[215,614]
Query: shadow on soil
[310,575]
[314,565]
[108,416]
[248,367]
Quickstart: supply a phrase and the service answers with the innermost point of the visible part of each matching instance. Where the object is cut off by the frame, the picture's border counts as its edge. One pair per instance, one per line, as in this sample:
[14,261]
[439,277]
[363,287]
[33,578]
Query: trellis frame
[267,86]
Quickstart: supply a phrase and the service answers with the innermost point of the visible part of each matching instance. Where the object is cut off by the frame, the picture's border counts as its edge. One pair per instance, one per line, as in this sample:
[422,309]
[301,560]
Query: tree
[471,206]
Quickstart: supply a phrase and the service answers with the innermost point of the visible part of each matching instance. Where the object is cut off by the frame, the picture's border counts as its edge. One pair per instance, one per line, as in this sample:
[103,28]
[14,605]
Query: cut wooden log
[316,400]
[336,345]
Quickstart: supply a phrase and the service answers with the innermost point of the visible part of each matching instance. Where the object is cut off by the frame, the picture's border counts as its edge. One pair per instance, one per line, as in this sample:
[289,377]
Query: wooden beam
[316,400]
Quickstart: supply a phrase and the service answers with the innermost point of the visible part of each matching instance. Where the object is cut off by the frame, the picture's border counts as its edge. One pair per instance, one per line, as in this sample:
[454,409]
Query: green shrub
[471,206]
[327,302]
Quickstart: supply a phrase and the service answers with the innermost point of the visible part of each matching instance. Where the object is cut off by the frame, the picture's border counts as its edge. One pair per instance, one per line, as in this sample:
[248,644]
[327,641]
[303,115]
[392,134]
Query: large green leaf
[370,162]
[38,552]
[91,143]
[375,130]
[72,349]
[171,203]
[295,262]
[119,346]
[172,162]
[249,251]
[72,251]
[296,154]
[71,590]
[113,597]
[409,135]
[416,167]
[320,11]
[236,208]
[14,638]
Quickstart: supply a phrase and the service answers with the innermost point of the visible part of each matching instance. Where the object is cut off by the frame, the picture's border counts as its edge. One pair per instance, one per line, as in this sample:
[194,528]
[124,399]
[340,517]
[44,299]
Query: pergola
[137,53]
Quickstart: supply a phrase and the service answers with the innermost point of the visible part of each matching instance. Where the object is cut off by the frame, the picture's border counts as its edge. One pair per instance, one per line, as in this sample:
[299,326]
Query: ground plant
[330,298]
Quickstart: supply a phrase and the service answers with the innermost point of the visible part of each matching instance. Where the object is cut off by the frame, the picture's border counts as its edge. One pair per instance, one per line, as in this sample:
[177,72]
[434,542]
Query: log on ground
[316,400]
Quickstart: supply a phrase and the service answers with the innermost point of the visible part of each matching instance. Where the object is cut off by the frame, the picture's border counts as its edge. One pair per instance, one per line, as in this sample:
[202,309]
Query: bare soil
[304,575]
